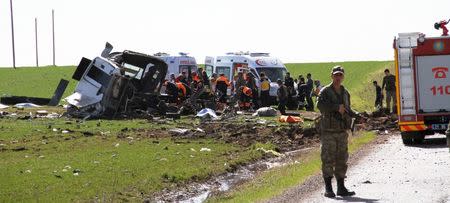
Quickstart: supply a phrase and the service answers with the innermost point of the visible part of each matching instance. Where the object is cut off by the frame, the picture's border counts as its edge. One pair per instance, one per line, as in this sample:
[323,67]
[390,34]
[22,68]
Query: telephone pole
[12,33]
[53,31]
[36,37]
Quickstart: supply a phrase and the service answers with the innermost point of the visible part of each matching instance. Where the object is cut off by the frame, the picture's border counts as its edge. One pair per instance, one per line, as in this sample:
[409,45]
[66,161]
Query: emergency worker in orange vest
[222,85]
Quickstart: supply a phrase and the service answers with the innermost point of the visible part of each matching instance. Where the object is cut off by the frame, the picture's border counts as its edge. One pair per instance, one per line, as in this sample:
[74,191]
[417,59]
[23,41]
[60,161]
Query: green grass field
[358,78]
[39,164]
[35,82]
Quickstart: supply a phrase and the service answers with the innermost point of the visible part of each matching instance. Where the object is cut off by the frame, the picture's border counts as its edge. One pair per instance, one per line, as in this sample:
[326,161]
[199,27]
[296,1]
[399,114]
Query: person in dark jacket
[222,85]
[379,95]
[282,94]
[309,89]
[289,83]
[301,88]
[389,86]
[251,83]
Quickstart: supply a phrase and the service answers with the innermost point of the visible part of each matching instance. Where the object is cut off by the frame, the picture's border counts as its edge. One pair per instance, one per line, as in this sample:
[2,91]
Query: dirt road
[390,172]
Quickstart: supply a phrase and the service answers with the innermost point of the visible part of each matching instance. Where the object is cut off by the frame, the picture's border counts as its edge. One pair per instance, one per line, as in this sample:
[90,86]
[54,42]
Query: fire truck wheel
[406,138]
[418,139]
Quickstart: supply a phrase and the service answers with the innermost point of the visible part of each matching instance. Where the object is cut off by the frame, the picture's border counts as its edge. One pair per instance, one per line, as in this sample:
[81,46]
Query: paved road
[393,172]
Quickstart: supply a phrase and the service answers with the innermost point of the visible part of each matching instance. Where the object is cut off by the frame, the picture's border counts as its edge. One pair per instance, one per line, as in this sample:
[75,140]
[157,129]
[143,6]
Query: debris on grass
[270,151]
[207,113]
[19,148]
[178,131]
[204,149]
[266,112]
[290,119]
[26,105]
[2,106]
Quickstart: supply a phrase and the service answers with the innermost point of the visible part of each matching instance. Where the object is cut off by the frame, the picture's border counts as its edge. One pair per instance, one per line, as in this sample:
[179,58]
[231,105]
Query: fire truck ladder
[406,76]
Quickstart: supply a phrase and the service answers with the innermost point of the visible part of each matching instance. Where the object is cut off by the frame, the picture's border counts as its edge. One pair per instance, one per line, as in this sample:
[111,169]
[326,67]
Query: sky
[292,30]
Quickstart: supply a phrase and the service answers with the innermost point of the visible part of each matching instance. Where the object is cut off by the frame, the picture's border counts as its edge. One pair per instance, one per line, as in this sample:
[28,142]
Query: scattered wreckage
[117,83]
[128,84]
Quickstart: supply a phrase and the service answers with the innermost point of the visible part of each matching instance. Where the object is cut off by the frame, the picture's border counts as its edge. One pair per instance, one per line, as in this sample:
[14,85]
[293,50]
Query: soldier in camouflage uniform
[334,105]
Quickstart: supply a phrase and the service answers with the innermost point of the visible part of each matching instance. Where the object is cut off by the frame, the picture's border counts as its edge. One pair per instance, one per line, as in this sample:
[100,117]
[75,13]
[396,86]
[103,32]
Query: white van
[254,63]
[178,64]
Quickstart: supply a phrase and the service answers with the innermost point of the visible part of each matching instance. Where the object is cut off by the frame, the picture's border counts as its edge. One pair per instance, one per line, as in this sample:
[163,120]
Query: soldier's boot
[342,190]
[329,188]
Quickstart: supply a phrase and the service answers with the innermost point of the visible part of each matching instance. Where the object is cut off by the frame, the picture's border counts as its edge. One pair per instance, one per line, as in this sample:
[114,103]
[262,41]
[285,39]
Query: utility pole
[36,37]
[53,31]
[12,33]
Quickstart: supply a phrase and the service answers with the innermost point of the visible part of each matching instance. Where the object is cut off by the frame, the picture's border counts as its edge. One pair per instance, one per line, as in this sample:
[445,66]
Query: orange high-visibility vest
[196,78]
[182,88]
[223,79]
[247,91]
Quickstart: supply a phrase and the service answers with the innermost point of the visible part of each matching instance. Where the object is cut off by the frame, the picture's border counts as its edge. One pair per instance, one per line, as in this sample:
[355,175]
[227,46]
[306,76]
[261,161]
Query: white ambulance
[254,63]
[423,85]
[178,64]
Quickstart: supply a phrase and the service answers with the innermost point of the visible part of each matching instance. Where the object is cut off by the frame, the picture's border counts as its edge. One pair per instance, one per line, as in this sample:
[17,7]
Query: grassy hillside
[41,82]
[35,82]
[358,78]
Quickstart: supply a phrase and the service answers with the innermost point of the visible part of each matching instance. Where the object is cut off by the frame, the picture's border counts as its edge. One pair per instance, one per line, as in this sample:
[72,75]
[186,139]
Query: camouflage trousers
[334,154]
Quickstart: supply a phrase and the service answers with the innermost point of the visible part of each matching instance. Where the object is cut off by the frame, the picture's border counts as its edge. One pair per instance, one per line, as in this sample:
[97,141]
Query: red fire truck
[423,85]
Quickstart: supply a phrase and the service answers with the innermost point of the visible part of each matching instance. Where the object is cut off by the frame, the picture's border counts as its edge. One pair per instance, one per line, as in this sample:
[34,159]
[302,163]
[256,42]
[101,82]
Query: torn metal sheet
[79,100]
[3,106]
[116,84]
[26,105]
[57,95]
[22,99]
[37,100]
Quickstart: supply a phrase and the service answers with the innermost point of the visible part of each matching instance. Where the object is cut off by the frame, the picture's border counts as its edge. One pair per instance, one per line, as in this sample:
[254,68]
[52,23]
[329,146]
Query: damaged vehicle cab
[118,82]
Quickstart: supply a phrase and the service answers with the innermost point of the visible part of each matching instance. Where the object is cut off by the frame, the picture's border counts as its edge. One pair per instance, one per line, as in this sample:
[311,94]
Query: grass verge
[273,182]
[115,161]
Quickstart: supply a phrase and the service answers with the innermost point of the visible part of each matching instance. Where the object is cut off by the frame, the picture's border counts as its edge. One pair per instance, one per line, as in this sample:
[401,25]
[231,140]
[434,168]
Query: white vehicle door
[433,83]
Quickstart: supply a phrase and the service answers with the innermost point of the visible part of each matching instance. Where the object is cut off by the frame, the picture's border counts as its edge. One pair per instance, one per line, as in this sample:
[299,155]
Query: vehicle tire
[419,138]
[407,138]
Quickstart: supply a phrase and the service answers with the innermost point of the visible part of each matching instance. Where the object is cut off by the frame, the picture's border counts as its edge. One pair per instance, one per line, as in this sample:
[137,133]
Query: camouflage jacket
[328,103]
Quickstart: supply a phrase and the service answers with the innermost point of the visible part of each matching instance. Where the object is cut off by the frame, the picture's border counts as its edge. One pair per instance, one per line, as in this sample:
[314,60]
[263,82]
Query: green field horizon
[42,81]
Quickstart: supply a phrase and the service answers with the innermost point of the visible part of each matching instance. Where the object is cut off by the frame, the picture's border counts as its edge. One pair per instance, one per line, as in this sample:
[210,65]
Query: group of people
[243,86]
[389,86]
[300,97]
[178,88]
[250,93]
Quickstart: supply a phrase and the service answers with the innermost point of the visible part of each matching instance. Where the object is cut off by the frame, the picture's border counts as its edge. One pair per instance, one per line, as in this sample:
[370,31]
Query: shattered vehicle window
[99,76]
[133,71]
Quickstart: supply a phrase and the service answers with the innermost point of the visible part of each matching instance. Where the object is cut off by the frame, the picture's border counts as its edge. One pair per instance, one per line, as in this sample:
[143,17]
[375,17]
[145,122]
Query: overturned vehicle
[117,84]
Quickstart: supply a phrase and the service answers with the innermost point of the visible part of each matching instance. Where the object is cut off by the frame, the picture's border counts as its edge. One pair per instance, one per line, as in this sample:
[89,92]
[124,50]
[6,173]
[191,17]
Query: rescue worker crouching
[177,91]
[336,118]
[222,85]
[245,98]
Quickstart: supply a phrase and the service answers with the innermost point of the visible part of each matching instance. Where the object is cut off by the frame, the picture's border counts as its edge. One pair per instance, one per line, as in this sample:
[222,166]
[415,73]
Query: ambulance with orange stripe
[423,85]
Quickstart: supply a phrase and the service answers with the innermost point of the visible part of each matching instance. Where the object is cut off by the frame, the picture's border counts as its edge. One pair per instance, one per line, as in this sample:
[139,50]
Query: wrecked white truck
[117,84]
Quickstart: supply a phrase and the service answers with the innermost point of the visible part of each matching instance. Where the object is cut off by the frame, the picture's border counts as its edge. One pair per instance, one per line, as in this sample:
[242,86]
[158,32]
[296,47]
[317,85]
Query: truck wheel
[406,138]
[418,139]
